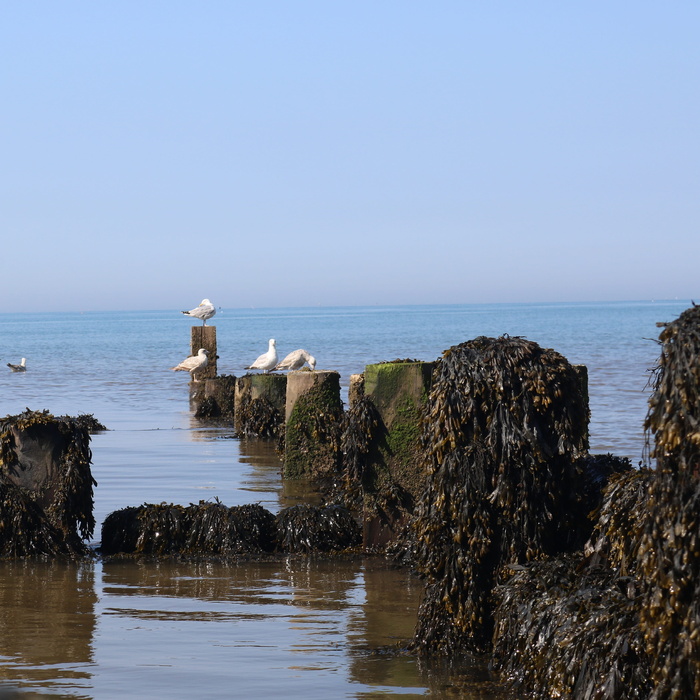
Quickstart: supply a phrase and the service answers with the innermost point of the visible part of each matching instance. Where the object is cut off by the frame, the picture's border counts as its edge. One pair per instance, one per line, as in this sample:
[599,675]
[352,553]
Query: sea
[298,627]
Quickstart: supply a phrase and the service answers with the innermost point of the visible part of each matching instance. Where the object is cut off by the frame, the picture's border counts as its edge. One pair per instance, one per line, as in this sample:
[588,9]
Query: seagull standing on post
[268,360]
[204,311]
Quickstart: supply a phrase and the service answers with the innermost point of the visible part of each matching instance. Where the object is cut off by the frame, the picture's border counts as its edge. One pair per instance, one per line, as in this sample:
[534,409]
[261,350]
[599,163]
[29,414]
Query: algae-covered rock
[567,630]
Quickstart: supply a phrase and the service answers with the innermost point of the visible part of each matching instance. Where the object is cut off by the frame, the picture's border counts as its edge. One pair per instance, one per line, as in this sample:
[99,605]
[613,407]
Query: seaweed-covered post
[505,423]
[259,404]
[393,475]
[314,413]
[668,556]
[624,621]
[219,398]
[46,486]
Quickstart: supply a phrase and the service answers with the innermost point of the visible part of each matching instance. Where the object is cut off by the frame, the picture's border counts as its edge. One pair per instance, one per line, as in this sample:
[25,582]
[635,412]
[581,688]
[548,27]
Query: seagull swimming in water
[296,360]
[268,360]
[203,312]
[193,363]
[21,367]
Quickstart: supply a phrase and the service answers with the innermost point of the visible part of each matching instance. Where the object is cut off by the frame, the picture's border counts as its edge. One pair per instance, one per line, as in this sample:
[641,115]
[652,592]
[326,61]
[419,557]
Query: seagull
[266,361]
[204,311]
[21,367]
[296,360]
[193,363]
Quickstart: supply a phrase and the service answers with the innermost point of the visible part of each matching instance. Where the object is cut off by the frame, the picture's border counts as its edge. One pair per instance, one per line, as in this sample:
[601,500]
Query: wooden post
[356,390]
[259,404]
[205,337]
[314,414]
[395,476]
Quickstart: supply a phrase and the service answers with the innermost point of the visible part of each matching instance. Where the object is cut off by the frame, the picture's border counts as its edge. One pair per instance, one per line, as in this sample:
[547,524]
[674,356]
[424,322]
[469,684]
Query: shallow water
[293,628]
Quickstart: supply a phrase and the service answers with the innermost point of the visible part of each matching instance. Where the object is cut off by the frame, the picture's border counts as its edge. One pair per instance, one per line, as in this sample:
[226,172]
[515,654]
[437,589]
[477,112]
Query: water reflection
[296,627]
[265,476]
[47,613]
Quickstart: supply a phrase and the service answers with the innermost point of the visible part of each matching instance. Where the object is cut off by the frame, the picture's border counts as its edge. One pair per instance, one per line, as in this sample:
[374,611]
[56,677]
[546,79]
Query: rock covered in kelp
[668,558]
[361,424]
[505,423]
[202,529]
[305,529]
[25,531]
[567,630]
[47,461]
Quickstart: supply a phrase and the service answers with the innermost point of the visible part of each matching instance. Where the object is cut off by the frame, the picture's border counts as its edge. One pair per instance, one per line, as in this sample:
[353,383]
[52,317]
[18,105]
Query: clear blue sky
[299,153]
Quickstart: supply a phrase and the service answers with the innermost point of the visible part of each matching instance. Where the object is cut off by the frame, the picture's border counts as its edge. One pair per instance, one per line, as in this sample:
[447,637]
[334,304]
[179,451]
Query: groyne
[576,575]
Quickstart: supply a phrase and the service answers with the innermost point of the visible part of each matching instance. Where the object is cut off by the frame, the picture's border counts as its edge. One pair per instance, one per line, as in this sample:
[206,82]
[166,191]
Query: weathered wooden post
[356,390]
[394,477]
[202,337]
[314,415]
[259,405]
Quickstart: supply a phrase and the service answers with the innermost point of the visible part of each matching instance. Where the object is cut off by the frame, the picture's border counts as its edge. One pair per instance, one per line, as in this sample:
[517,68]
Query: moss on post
[394,477]
[312,435]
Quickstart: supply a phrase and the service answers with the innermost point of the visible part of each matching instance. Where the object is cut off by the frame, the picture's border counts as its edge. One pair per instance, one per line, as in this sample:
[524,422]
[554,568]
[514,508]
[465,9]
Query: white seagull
[21,367]
[193,363]
[203,312]
[296,360]
[268,360]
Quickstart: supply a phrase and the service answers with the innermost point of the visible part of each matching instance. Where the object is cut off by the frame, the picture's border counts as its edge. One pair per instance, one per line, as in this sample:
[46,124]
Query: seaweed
[203,529]
[48,458]
[674,407]
[306,529]
[565,629]
[258,418]
[505,422]
[361,425]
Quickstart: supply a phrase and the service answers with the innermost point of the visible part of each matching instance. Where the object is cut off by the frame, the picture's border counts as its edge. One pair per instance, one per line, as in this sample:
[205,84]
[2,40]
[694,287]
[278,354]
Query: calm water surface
[295,628]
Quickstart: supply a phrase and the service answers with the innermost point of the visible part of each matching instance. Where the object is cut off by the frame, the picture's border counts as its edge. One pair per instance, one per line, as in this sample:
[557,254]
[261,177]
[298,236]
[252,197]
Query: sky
[306,153]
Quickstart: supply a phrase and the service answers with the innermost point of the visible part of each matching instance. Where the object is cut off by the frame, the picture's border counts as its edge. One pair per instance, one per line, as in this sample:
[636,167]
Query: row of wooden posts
[306,409]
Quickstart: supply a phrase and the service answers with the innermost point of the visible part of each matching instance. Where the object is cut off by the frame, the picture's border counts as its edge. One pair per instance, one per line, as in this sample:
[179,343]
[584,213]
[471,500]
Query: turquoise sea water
[296,630]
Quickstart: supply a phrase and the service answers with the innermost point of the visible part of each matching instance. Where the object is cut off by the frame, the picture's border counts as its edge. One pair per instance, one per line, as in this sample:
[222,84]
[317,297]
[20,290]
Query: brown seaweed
[206,529]
[48,458]
[567,630]
[258,418]
[306,529]
[505,422]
